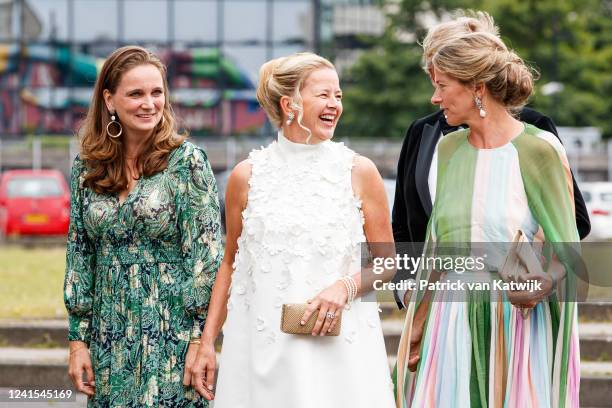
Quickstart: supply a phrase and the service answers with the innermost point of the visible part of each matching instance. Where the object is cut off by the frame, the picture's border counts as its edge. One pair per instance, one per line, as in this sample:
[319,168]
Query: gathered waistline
[135,255]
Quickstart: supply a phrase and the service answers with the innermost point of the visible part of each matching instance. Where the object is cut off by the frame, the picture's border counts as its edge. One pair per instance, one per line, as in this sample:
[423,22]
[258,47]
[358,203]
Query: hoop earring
[114,121]
[481,110]
[290,117]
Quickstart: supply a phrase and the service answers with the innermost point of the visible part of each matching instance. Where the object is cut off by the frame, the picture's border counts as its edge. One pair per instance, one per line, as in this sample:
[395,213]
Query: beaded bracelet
[348,290]
[353,285]
[351,288]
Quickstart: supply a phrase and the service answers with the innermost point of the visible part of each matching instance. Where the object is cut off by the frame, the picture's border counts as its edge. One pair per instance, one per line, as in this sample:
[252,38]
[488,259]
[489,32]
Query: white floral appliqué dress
[302,231]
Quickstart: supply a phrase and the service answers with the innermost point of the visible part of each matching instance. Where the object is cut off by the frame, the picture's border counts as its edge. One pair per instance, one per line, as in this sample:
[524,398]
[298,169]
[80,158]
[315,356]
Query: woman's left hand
[192,376]
[190,358]
[330,302]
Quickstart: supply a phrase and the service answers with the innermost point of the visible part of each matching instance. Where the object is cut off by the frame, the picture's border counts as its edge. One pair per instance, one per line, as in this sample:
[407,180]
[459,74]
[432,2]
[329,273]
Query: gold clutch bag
[513,268]
[519,261]
[292,314]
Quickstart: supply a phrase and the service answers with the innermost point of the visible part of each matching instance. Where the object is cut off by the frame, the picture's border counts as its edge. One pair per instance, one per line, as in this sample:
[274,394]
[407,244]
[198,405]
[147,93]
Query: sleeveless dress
[302,231]
[481,352]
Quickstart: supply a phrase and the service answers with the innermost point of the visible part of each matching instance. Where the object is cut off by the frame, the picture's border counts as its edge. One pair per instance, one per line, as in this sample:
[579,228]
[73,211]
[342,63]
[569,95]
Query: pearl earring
[482,112]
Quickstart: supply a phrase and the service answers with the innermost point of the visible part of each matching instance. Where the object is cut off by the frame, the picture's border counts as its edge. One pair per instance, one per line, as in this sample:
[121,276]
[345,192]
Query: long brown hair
[104,156]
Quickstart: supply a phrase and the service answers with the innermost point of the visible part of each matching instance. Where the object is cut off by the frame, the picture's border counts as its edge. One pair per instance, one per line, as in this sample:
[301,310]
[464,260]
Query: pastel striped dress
[482,352]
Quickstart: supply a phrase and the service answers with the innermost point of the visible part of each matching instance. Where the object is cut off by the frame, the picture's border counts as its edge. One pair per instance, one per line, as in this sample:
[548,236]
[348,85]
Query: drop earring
[481,110]
[290,117]
[116,123]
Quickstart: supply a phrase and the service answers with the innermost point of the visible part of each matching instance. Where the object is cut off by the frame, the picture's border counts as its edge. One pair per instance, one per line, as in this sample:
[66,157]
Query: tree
[384,91]
[567,41]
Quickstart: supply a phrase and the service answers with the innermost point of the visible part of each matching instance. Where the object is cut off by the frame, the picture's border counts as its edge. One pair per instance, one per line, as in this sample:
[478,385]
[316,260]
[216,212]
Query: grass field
[31,281]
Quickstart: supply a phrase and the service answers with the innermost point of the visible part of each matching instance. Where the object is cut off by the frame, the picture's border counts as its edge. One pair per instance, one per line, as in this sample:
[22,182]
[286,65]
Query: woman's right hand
[415,345]
[418,327]
[330,300]
[203,370]
[415,337]
[79,362]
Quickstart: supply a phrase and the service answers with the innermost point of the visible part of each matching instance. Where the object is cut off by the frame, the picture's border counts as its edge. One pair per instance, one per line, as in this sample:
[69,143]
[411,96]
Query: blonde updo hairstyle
[483,58]
[285,76]
[462,23]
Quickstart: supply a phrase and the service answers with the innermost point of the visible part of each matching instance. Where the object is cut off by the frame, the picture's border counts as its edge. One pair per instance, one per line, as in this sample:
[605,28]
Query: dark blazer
[412,205]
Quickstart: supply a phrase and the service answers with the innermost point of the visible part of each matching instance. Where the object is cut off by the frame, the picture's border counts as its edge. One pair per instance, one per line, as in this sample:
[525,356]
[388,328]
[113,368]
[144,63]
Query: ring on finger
[330,315]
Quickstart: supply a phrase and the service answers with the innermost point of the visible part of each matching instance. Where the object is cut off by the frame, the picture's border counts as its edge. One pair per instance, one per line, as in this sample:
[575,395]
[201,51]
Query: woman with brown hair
[144,242]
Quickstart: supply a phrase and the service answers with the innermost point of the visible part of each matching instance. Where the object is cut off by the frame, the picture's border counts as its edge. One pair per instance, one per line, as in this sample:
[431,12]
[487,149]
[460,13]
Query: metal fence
[223,153]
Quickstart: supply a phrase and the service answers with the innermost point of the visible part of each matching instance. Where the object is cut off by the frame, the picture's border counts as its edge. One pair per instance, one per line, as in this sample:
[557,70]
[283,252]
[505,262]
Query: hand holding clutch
[522,265]
[292,314]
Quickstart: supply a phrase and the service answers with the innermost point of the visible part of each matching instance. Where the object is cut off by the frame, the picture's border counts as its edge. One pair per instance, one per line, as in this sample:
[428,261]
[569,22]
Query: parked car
[34,202]
[598,199]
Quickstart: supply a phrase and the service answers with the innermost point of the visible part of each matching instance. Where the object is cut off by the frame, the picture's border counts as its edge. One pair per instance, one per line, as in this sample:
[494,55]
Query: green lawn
[31,282]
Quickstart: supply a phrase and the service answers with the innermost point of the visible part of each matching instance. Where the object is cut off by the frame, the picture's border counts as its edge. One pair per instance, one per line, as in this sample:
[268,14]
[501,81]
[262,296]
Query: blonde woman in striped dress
[499,176]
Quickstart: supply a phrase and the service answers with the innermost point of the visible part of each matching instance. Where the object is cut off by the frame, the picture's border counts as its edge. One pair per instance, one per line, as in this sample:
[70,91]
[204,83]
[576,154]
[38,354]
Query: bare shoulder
[238,184]
[241,172]
[365,176]
[364,169]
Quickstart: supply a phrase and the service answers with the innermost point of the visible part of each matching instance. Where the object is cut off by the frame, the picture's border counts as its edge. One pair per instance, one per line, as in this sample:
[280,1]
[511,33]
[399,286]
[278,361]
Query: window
[96,20]
[248,59]
[195,20]
[291,21]
[244,21]
[35,187]
[53,18]
[606,197]
[145,20]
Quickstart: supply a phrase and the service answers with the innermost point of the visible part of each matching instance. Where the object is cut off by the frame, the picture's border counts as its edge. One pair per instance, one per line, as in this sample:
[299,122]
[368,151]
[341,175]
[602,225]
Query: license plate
[36,219]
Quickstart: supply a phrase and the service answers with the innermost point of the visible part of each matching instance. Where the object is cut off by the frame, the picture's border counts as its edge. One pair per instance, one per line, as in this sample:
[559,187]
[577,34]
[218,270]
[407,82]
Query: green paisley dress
[139,276]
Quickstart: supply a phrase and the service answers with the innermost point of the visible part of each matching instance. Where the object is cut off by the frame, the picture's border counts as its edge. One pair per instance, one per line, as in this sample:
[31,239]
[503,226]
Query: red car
[34,202]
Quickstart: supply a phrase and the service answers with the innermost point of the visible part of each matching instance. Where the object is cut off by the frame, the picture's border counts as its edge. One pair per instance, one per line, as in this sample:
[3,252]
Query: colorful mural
[46,89]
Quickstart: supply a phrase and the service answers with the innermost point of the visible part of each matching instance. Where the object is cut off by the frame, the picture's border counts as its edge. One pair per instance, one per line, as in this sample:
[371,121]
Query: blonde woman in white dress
[297,214]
